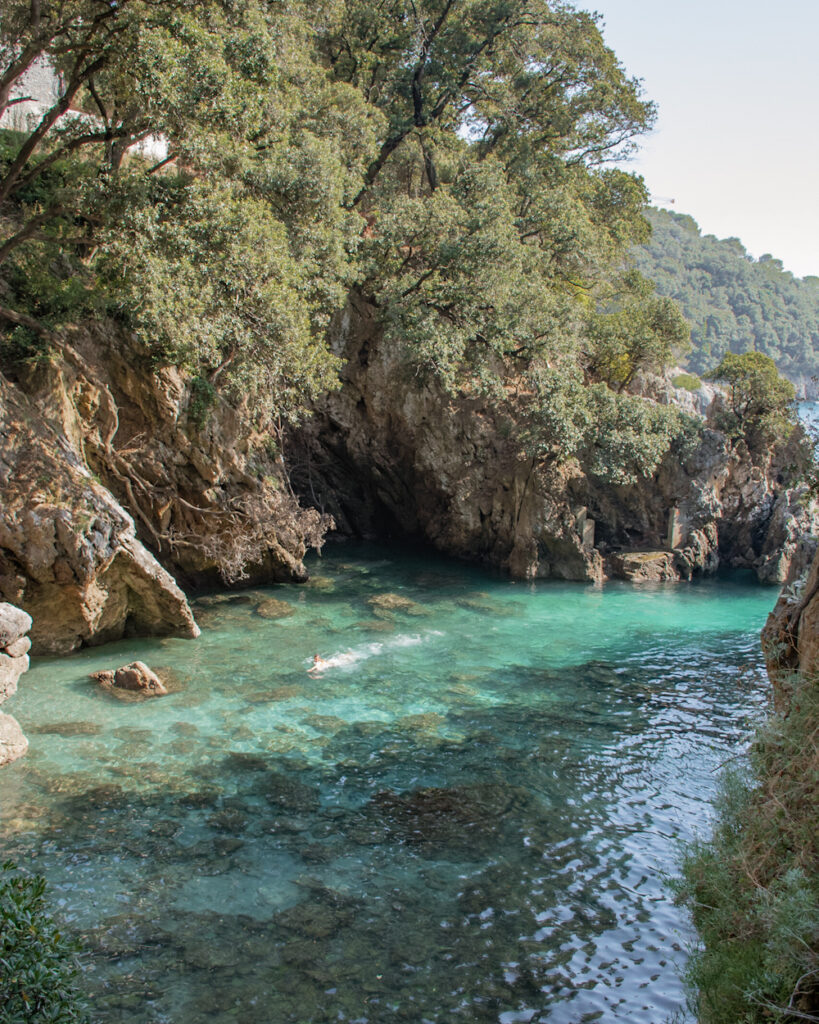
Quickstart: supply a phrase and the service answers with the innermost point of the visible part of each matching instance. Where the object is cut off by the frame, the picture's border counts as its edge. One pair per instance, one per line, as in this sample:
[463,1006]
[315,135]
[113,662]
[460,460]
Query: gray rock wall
[388,454]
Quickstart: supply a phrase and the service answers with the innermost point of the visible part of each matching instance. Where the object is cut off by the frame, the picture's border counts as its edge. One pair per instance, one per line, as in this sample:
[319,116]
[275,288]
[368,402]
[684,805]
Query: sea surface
[809,413]
[467,816]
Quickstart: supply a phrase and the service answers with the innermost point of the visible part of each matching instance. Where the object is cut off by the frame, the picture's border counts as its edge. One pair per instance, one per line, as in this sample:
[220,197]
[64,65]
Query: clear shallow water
[465,818]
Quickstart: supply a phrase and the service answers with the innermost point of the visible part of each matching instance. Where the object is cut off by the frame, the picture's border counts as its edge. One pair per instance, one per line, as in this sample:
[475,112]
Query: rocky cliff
[14,648]
[122,479]
[103,456]
[390,454]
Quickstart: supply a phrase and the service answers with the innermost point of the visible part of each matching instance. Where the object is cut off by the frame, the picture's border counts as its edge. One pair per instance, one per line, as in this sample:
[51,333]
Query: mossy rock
[325,584]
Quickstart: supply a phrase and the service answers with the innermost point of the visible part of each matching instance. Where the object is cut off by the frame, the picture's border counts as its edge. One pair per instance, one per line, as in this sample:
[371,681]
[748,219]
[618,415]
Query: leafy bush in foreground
[753,888]
[38,965]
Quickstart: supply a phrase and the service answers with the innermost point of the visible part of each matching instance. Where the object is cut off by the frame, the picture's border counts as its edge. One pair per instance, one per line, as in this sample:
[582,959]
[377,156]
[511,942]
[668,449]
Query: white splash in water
[355,655]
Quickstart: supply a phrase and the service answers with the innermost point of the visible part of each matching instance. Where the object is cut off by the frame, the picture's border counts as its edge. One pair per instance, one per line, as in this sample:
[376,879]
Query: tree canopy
[450,159]
[760,399]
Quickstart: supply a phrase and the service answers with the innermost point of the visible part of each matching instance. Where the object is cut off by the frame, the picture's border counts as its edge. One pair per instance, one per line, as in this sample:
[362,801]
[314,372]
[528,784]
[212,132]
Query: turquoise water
[465,817]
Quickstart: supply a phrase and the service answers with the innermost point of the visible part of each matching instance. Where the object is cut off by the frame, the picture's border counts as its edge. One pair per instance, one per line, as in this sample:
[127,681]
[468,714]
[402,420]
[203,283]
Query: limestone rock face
[14,647]
[387,456]
[115,474]
[205,483]
[68,551]
[390,455]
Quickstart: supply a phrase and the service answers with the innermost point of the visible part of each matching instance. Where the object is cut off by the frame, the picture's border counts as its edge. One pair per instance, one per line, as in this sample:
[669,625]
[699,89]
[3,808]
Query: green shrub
[689,381]
[203,395]
[39,967]
[753,888]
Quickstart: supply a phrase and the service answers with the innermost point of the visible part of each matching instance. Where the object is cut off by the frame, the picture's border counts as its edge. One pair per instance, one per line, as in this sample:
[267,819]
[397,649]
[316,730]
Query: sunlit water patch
[464,814]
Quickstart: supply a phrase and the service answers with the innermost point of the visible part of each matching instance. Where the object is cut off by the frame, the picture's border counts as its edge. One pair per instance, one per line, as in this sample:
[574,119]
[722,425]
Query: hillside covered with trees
[733,302]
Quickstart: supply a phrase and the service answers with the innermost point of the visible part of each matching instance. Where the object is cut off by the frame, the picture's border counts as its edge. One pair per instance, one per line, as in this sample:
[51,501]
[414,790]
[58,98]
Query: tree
[227,255]
[637,330]
[760,399]
[492,216]
[448,158]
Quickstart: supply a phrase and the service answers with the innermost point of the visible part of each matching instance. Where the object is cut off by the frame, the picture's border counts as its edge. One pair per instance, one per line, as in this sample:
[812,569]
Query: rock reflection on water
[468,821]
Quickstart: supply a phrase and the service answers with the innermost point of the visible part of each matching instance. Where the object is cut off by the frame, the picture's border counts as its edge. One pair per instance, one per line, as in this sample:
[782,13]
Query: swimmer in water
[318,664]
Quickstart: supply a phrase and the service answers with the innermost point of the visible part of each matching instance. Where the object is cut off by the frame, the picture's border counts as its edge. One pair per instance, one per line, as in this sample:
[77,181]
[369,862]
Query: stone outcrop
[390,455]
[204,481]
[117,479]
[14,647]
[136,678]
[644,566]
[69,554]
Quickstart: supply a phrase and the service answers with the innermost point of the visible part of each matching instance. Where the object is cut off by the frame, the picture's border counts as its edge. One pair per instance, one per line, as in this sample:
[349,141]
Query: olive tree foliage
[449,158]
[497,231]
[760,404]
[229,254]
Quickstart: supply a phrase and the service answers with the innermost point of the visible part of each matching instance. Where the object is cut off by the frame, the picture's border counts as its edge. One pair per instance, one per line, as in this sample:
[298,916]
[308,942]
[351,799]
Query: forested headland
[733,302]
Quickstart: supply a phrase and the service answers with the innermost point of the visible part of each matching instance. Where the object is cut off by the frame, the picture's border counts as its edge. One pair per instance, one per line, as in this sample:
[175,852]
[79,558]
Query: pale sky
[737,137]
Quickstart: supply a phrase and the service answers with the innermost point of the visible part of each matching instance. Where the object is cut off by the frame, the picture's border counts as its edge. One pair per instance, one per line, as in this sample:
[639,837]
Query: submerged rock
[386,625]
[389,603]
[315,920]
[324,584]
[484,605]
[456,819]
[289,793]
[272,608]
[69,729]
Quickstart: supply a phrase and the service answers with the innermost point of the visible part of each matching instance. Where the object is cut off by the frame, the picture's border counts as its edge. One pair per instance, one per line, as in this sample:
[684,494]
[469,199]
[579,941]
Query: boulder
[14,624]
[69,554]
[13,743]
[136,678]
[19,647]
[644,566]
[10,671]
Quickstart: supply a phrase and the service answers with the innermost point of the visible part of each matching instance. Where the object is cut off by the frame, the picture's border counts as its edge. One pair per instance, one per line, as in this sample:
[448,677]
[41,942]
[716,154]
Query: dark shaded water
[465,817]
